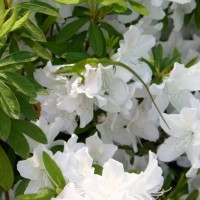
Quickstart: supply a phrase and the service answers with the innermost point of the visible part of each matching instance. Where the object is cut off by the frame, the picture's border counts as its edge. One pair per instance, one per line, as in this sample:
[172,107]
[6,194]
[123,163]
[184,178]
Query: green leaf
[21,187]
[139,8]
[38,49]
[40,7]
[70,29]
[19,23]
[20,82]
[75,56]
[96,39]
[33,31]
[18,142]
[13,45]
[191,62]
[26,109]
[193,195]
[38,88]
[6,175]
[53,170]
[111,30]
[97,169]
[18,57]
[7,26]
[30,130]
[108,2]
[69,2]
[38,196]
[5,125]
[8,101]
[2,12]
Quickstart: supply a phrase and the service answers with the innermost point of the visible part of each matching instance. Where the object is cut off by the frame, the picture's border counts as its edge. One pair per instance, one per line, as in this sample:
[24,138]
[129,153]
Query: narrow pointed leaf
[96,39]
[19,23]
[70,29]
[54,171]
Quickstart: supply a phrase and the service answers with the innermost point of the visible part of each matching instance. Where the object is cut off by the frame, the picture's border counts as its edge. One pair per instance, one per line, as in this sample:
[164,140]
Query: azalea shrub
[99,99]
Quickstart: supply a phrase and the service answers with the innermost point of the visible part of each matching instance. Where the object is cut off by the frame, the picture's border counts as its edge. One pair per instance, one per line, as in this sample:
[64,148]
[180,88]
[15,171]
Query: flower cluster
[121,112]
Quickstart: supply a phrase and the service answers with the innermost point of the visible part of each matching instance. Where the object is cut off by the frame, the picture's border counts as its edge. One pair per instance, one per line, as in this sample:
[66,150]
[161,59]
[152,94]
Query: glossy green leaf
[18,57]
[6,171]
[30,130]
[33,31]
[38,49]
[96,39]
[2,12]
[20,82]
[26,108]
[19,23]
[18,142]
[53,170]
[40,7]
[139,8]
[70,29]
[7,26]
[5,125]
[8,101]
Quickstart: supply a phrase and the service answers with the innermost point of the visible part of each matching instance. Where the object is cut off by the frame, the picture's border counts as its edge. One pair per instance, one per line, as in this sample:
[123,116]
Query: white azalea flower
[33,169]
[99,151]
[176,89]
[184,137]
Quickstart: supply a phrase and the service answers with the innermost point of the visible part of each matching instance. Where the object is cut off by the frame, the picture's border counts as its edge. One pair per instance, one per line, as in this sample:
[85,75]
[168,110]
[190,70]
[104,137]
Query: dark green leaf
[193,195]
[40,7]
[53,170]
[8,101]
[96,39]
[70,29]
[18,57]
[75,56]
[30,130]
[20,82]
[5,125]
[13,45]
[26,109]
[19,143]
[139,8]
[6,171]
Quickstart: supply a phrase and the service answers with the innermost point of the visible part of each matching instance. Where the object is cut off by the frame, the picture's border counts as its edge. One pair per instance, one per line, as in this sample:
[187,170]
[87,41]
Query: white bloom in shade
[184,131]
[176,89]
[141,125]
[180,8]
[99,151]
[33,169]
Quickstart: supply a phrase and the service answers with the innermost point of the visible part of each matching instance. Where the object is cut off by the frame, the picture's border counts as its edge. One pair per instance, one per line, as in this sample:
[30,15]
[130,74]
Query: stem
[92,7]
[7,197]
[138,77]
